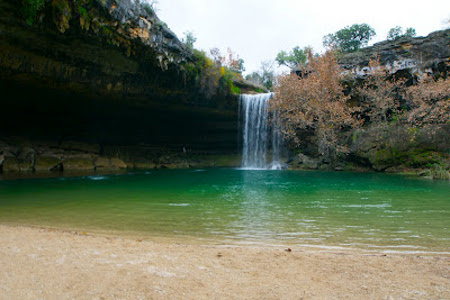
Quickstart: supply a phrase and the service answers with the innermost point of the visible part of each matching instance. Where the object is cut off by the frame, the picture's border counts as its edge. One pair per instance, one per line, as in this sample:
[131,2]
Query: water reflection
[313,208]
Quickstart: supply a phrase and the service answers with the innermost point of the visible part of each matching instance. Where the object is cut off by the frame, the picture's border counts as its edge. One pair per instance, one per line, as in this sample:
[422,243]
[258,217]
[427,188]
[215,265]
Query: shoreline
[7,176]
[212,241]
[46,262]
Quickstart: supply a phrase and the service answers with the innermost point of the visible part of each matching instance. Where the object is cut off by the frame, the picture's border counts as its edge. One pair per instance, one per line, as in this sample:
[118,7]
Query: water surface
[329,209]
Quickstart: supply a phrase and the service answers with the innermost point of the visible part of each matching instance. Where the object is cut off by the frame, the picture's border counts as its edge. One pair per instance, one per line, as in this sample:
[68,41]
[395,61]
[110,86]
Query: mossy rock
[81,147]
[424,159]
[232,160]
[116,163]
[46,163]
[10,164]
[102,163]
[179,165]
[380,159]
[62,13]
[78,163]
[144,165]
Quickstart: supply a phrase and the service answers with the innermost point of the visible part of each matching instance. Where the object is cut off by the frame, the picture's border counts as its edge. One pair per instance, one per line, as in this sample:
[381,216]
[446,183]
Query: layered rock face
[395,147]
[430,54]
[107,74]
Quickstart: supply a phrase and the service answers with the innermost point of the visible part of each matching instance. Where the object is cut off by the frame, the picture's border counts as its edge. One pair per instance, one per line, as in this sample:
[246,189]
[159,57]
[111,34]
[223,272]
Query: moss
[78,163]
[31,9]
[11,164]
[235,89]
[62,14]
[420,159]
[116,163]
[46,163]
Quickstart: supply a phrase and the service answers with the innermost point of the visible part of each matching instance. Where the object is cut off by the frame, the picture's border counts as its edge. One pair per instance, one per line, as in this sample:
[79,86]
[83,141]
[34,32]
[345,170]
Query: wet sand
[38,263]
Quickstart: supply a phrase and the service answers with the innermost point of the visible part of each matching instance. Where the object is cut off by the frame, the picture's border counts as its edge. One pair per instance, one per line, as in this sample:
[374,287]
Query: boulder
[102,163]
[78,162]
[10,164]
[116,163]
[47,163]
[305,162]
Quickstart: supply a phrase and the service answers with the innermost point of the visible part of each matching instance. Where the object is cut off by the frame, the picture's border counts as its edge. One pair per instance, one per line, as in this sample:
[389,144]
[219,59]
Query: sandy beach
[45,263]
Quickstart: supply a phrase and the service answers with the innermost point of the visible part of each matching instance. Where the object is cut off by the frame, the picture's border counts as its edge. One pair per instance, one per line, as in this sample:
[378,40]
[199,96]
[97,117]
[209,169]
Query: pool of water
[325,209]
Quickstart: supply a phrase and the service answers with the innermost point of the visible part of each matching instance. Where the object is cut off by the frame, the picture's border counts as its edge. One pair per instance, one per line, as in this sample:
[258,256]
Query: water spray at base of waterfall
[261,136]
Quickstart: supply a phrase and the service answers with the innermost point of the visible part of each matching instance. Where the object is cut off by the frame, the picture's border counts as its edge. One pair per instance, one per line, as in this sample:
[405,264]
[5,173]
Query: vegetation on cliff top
[212,75]
[350,39]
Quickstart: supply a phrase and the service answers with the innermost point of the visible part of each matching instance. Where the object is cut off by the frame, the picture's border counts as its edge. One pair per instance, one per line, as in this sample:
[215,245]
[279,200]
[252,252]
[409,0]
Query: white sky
[258,29]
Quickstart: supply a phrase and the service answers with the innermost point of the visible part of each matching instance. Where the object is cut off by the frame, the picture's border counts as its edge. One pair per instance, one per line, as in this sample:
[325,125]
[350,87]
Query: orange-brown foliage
[429,103]
[315,102]
[379,95]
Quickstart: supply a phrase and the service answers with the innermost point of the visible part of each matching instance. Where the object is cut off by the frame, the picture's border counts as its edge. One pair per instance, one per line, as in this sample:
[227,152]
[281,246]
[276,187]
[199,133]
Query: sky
[258,29]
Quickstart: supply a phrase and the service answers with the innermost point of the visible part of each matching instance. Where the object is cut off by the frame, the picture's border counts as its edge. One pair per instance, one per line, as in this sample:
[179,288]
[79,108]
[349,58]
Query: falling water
[260,138]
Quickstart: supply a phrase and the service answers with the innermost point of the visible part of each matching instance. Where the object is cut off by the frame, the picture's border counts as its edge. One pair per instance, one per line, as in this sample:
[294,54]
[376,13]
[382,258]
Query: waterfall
[259,137]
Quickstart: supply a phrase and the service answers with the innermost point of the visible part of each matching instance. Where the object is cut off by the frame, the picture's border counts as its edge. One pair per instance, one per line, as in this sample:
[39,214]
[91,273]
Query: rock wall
[430,54]
[394,147]
[101,73]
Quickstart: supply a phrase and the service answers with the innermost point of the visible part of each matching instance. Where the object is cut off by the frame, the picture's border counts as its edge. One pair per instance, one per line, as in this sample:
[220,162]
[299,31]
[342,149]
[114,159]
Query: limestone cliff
[107,74]
[430,54]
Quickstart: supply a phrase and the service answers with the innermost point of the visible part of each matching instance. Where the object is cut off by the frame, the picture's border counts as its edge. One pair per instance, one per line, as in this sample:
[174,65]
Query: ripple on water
[97,177]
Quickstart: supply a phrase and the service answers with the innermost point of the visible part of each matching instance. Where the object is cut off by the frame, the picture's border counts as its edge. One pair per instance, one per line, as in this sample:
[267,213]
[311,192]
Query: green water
[355,210]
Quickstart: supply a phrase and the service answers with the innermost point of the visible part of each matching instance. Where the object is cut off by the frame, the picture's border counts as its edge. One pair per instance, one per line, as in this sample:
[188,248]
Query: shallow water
[327,209]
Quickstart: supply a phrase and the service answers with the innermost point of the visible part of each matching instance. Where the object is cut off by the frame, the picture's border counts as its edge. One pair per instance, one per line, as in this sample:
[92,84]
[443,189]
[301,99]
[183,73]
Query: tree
[265,76]
[148,5]
[394,33]
[217,56]
[315,105]
[294,58]
[189,39]
[410,32]
[379,95]
[397,32]
[350,39]
[429,102]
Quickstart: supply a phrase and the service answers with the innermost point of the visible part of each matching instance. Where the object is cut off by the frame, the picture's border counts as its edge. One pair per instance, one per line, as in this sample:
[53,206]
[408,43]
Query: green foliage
[148,5]
[397,32]
[350,39]
[295,57]
[235,89]
[81,10]
[240,65]
[211,76]
[31,9]
[189,39]
[410,32]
